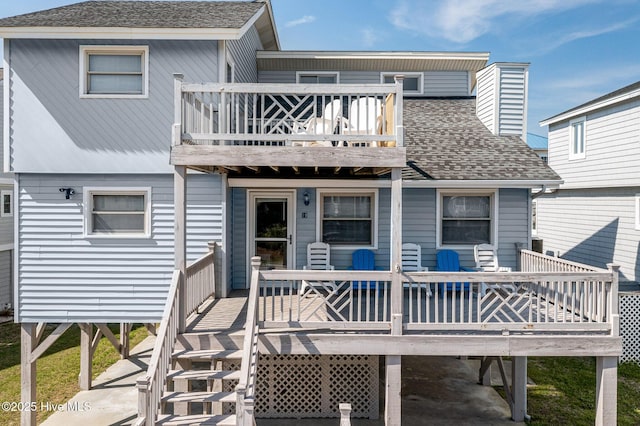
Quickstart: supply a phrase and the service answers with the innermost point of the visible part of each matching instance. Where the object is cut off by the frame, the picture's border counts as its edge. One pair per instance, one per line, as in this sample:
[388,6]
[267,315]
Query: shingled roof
[445,140]
[141,14]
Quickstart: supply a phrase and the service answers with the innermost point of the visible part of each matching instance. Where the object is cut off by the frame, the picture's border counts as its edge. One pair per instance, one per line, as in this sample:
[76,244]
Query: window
[347,218]
[534,217]
[577,140]
[7,203]
[114,71]
[466,218]
[318,77]
[117,212]
[412,83]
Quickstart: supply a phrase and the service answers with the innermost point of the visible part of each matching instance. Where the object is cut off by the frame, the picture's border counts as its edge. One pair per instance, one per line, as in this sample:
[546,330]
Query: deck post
[519,388]
[180,239]
[606,390]
[393,370]
[125,331]
[399,79]
[28,373]
[86,355]
[177,109]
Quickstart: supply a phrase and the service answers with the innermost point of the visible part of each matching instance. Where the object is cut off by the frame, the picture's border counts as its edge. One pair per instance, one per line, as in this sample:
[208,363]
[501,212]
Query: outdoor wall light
[68,192]
[305,198]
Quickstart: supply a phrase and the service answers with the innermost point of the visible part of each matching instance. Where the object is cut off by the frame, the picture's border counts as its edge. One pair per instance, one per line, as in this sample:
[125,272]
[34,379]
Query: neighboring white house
[594,217]
[6,226]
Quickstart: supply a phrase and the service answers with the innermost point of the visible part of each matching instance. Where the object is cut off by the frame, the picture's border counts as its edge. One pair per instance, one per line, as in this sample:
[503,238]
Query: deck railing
[288,114]
[199,286]
[581,301]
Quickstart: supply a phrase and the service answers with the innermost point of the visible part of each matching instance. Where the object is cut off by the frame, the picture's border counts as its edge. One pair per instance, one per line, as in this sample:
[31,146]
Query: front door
[271,228]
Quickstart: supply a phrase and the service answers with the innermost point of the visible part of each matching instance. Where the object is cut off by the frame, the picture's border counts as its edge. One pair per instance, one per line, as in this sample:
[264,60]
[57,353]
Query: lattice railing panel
[629,328]
[312,386]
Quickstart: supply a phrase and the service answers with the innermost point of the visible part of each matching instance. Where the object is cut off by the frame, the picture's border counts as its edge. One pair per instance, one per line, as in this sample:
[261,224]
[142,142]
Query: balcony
[236,125]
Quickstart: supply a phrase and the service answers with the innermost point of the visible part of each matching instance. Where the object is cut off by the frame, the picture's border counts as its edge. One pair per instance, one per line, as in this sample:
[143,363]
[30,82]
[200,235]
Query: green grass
[57,368]
[564,392]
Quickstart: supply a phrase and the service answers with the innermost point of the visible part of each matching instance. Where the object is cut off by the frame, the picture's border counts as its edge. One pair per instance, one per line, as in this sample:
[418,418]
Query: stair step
[203,375]
[199,397]
[196,419]
[207,354]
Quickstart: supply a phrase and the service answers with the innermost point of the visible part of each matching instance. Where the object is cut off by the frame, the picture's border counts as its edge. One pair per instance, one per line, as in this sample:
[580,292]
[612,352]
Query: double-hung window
[114,71]
[326,77]
[466,218]
[412,83]
[348,218]
[577,138]
[117,212]
[7,203]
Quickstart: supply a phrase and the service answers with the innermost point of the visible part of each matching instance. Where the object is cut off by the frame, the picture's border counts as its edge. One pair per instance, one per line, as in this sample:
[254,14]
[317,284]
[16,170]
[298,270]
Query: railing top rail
[563,261]
[435,276]
[200,261]
[293,89]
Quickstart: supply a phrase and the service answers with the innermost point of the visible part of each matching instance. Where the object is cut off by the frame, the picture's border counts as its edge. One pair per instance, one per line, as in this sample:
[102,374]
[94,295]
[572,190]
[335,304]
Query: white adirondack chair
[365,118]
[412,262]
[486,259]
[324,125]
[318,258]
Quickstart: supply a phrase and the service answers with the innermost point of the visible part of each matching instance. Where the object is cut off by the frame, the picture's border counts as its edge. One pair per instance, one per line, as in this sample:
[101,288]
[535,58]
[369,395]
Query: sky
[578,49]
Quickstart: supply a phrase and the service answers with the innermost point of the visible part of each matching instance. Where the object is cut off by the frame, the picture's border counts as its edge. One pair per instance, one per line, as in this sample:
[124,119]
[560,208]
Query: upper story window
[577,138]
[7,203]
[114,71]
[412,82]
[328,77]
[347,218]
[466,218]
[117,212]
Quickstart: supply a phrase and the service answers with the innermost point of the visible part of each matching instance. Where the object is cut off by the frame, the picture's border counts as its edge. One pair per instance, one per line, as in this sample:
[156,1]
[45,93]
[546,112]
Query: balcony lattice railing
[288,114]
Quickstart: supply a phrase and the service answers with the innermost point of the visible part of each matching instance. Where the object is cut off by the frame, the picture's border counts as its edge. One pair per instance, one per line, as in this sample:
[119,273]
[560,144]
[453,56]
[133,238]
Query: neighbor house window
[317,77]
[466,218]
[118,212]
[577,139]
[412,82]
[7,203]
[534,217]
[114,71]
[347,218]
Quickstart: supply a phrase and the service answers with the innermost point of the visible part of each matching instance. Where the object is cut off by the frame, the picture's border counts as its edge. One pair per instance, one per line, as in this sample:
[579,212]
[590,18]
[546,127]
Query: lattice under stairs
[200,388]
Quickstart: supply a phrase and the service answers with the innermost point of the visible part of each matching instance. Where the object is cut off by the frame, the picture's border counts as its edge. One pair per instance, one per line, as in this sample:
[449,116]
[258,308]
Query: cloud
[306,19]
[369,37]
[461,21]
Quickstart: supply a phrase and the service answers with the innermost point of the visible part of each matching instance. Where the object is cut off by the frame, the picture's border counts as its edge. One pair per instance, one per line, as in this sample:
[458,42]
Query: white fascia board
[350,183]
[450,184]
[101,33]
[311,54]
[589,108]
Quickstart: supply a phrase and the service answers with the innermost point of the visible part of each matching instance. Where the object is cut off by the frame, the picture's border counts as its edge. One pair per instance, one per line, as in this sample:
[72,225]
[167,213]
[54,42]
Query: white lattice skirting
[630,326]
[313,386]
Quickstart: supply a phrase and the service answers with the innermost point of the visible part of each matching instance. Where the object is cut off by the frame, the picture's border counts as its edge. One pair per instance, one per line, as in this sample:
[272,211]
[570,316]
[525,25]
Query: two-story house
[139,132]
[6,230]
[594,216]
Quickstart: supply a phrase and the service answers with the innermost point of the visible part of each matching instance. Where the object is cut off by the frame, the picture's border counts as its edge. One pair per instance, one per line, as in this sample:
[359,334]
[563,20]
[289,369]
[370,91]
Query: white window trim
[8,192]
[493,193]
[638,212]
[302,73]
[89,191]
[320,192]
[86,50]
[580,155]
[230,65]
[420,76]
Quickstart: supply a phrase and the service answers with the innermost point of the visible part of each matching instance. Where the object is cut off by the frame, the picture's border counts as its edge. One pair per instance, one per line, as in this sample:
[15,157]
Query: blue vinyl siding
[66,277]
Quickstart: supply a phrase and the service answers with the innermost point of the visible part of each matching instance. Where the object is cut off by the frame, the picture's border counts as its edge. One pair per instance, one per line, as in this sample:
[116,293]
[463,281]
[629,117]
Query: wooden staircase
[200,383]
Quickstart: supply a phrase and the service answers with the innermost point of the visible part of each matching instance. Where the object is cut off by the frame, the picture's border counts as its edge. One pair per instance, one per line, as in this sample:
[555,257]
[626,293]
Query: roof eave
[576,112]
[489,183]
[118,33]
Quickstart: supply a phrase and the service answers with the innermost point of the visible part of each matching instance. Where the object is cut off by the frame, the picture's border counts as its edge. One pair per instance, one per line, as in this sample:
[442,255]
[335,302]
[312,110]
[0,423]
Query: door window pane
[271,218]
[273,254]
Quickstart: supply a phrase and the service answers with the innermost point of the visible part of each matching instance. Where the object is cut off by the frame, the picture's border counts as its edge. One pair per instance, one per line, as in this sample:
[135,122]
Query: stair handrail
[152,384]
[245,389]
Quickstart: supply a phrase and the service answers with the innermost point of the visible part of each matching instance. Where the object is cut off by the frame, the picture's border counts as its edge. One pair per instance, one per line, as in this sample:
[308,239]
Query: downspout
[543,191]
